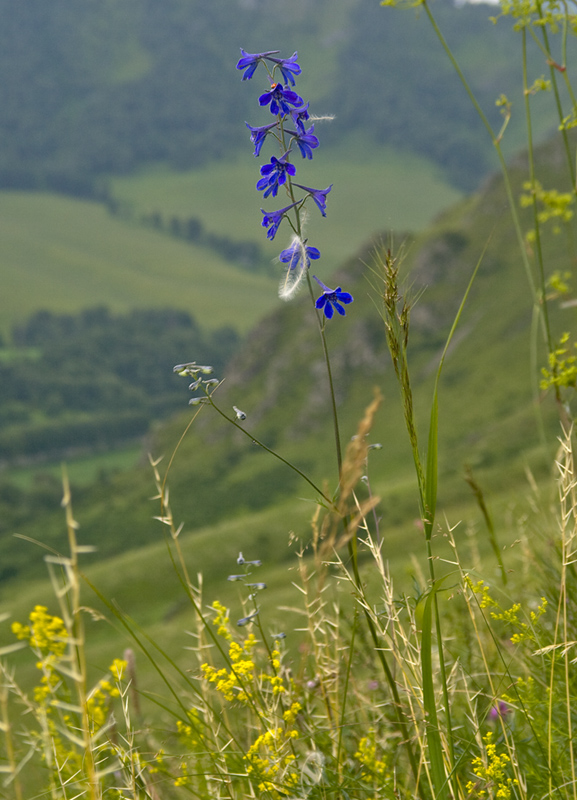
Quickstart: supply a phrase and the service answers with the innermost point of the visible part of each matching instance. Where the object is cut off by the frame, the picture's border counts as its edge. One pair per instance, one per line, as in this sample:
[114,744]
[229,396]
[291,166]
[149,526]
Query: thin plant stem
[553,72]
[538,247]
[7,729]
[321,325]
[272,452]
[496,143]
[73,597]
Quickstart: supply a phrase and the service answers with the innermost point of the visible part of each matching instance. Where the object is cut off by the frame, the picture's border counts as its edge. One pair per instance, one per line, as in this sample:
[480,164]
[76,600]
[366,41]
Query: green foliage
[95,379]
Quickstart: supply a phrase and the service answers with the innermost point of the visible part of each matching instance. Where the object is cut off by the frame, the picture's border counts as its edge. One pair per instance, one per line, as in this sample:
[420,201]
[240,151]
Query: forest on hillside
[91,89]
[74,383]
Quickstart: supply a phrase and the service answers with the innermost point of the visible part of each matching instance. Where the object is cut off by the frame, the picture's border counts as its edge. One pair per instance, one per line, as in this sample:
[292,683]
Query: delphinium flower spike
[289,130]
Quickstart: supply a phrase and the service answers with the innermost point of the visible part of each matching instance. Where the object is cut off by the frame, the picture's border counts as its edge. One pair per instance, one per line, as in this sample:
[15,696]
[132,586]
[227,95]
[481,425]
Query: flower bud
[239,414]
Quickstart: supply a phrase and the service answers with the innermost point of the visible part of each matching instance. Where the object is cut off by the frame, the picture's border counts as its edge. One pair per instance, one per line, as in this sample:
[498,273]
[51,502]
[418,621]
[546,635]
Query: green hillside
[65,255]
[490,418]
[91,89]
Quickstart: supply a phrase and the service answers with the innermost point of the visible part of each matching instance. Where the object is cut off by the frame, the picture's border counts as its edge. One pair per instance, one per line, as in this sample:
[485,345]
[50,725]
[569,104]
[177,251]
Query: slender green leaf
[430,498]
[435,748]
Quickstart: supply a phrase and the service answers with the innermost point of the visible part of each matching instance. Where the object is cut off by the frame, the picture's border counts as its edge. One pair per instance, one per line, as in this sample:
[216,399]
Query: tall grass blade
[435,747]
[430,495]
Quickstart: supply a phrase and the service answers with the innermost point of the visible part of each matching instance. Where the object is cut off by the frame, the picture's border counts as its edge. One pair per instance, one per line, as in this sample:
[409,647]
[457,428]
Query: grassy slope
[144,585]
[67,254]
[373,190]
[487,418]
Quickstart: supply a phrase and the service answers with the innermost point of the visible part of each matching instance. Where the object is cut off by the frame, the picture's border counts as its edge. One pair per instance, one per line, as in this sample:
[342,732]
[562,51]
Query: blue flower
[258,135]
[318,195]
[299,255]
[299,116]
[272,220]
[275,175]
[288,67]
[250,61]
[305,140]
[280,99]
[331,299]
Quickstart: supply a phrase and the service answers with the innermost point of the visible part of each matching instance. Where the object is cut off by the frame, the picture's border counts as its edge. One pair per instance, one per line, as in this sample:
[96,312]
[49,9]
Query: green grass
[143,584]
[64,255]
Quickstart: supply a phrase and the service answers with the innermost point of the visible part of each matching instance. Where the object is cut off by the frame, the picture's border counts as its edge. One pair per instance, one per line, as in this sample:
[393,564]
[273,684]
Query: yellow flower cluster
[98,702]
[48,684]
[46,634]
[222,620]
[558,281]
[562,366]
[188,733]
[270,758]
[555,205]
[157,764]
[529,12]
[367,755]
[48,638]
[489,772]
[242,671]
[275,681]
[184,776]
[510,616]
[291,713]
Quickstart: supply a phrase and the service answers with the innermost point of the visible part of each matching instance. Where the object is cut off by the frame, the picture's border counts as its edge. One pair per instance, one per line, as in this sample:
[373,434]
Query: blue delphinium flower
[331,299]
[318,195]
[250,61]
[288,67]
[297,258]
[299,116]
[259,134]
[299,254]
[280,98]
[272,220]
[275,174]
[305,141]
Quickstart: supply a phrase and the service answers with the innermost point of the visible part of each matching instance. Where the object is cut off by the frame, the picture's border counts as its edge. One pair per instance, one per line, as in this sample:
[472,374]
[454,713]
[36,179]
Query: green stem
[553,74]
[538,247]
[330,378]
[272,452]
[497,145]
